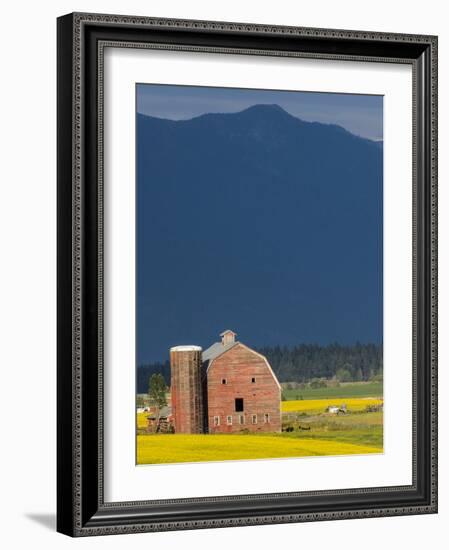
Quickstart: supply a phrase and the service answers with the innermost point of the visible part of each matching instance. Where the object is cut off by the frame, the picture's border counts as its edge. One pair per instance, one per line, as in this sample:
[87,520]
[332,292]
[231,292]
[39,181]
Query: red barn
[228,388]
[240,390]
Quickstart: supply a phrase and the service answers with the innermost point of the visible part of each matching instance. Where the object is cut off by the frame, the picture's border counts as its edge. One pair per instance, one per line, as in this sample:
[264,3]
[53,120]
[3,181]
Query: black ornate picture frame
[81,509]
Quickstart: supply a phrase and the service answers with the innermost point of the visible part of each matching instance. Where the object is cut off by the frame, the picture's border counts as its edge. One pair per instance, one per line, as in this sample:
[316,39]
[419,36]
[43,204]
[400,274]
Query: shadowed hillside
[259,222]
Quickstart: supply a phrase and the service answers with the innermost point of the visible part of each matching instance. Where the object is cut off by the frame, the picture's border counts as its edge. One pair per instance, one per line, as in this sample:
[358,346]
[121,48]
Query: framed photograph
[247,280]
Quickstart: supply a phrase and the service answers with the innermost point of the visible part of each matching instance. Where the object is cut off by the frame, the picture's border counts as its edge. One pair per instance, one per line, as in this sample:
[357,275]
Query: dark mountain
[259,222]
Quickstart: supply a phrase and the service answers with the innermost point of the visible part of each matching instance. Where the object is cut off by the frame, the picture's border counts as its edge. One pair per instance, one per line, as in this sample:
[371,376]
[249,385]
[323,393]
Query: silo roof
[186,348]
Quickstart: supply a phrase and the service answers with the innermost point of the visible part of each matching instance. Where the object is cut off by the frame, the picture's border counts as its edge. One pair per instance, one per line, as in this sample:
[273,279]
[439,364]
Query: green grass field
[350,389]
[364,429]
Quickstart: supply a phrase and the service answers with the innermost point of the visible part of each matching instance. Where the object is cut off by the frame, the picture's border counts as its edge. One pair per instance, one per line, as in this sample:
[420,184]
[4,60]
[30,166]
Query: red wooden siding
[238,367]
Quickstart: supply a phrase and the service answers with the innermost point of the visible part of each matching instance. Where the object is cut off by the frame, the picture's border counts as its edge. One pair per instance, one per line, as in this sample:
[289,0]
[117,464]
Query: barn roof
[163,413]
[216,349]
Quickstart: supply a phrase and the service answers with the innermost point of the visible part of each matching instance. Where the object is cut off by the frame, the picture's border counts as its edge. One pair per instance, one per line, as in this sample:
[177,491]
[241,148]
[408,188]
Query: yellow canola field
[142,421]
[317,406]
[160,449]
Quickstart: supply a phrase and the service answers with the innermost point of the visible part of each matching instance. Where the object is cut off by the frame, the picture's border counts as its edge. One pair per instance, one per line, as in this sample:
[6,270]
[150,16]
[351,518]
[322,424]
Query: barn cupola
[228,337]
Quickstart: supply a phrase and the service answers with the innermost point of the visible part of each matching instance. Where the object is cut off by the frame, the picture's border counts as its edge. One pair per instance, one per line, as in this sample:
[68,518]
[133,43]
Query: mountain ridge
[258,223]
[260,107]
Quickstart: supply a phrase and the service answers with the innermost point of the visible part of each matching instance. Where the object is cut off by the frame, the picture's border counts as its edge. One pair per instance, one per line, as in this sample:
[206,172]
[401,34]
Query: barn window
[254,418]
[241,419]
[216,420]
[239,404]
[266,418]
[253,380]
[229,420]
[223,381]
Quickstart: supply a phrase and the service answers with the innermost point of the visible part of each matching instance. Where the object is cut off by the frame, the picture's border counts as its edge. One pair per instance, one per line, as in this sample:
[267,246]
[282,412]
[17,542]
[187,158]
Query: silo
[186,391]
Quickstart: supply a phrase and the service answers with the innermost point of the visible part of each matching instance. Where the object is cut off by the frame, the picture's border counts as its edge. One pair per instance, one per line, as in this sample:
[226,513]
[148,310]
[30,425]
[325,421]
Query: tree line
[302,363]
[355,363]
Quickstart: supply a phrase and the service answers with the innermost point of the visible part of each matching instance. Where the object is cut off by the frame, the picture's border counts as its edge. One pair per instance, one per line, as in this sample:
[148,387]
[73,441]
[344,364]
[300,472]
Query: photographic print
[247,240]
[259,261]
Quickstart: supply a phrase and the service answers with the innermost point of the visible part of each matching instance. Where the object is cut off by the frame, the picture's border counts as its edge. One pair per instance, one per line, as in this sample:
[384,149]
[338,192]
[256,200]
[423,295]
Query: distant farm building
[228,388]
[337,409]
[160,421]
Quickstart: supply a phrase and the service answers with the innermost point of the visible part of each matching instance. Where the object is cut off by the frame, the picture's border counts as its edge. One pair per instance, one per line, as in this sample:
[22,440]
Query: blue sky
[359,114]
